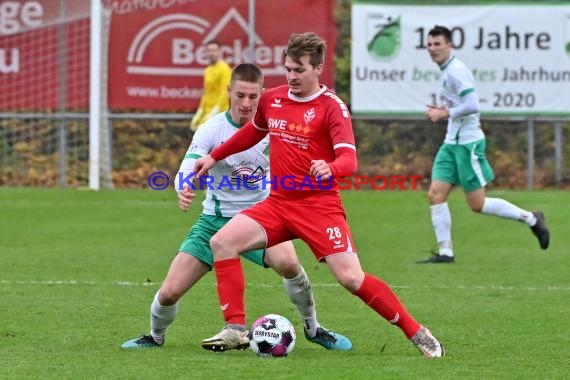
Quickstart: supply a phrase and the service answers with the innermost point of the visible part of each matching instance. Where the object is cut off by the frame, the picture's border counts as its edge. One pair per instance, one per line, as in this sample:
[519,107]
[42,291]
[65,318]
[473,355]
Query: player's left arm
[469,105]
[342,137]
[464,83]
[345,163]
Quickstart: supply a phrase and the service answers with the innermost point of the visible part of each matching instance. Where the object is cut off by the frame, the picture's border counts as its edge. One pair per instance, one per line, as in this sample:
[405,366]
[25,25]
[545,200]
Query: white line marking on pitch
[318,285]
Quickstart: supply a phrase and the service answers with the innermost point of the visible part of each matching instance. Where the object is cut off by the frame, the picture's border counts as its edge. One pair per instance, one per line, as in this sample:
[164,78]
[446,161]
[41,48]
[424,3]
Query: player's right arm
[185,198]
[185,173]
[200,145]
[181,185]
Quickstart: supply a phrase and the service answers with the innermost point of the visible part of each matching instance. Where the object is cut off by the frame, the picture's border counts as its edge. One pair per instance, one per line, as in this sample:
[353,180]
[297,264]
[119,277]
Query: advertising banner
[44,63]
[156,56]
[519,56]
[154,48]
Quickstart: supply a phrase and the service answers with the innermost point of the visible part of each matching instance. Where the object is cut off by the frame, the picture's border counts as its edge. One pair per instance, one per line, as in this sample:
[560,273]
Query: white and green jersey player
[461,159]
[226,193]
[232,183]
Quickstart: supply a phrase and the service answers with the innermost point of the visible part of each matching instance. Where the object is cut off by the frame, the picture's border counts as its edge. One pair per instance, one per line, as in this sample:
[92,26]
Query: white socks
[504,209]
[160,318]
[300,293]
[441,221]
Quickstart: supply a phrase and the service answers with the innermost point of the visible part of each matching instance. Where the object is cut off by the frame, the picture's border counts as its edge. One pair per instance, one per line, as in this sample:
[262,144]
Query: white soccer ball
[272,335]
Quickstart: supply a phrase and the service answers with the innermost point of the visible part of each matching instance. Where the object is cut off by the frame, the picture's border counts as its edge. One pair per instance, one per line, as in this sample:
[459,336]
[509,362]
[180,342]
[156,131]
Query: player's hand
[185,198]
[202,165]
[435,114]
[320,169]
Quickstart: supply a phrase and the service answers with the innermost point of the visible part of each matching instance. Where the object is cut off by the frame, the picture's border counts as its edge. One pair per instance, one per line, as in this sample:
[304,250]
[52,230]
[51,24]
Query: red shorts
[318,220]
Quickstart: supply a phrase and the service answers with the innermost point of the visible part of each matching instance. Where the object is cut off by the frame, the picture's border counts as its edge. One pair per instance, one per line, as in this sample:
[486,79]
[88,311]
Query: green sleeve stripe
[466,91]
[192,155]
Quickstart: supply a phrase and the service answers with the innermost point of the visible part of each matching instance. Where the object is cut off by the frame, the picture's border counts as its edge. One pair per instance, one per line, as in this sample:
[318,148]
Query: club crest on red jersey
[309,115]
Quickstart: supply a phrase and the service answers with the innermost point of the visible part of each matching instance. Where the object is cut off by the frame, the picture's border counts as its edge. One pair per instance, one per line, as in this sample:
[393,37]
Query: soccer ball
[272,335]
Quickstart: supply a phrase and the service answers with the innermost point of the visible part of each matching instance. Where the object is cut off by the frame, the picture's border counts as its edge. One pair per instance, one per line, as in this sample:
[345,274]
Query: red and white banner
[33,43]
[156,57]
[155,53]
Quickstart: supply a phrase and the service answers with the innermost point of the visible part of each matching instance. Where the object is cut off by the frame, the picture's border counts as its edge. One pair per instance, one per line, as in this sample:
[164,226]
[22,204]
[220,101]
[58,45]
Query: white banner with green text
[519,55]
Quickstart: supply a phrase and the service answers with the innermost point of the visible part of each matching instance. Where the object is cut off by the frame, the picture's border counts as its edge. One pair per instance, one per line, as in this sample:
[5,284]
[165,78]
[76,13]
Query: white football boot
[427,344]
[232,337]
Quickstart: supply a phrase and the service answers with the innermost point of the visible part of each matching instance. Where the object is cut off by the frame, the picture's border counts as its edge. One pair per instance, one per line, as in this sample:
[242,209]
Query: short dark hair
[247,72]
[213,42]
[307,43]
[439,30]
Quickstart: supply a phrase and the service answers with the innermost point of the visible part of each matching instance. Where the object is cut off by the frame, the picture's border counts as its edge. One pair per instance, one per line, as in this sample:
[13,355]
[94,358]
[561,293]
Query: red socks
[376,294]
[231,289]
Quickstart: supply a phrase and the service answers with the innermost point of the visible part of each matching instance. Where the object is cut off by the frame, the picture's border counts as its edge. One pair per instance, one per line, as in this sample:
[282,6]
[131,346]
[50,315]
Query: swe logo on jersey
[276,123]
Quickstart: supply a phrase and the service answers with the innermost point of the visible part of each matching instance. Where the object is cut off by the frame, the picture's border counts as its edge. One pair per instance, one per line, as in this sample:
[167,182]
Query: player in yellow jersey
[216,81]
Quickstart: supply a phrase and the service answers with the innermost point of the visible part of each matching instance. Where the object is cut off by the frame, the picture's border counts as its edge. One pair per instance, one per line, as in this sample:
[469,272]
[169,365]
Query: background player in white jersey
[461,159]
[222,202]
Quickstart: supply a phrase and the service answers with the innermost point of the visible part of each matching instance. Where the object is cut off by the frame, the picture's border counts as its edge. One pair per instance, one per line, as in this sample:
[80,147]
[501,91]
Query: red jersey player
[311,142]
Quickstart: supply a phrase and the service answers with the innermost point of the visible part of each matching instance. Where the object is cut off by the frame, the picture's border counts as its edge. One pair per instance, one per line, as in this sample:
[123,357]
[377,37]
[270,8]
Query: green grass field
[78,271]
